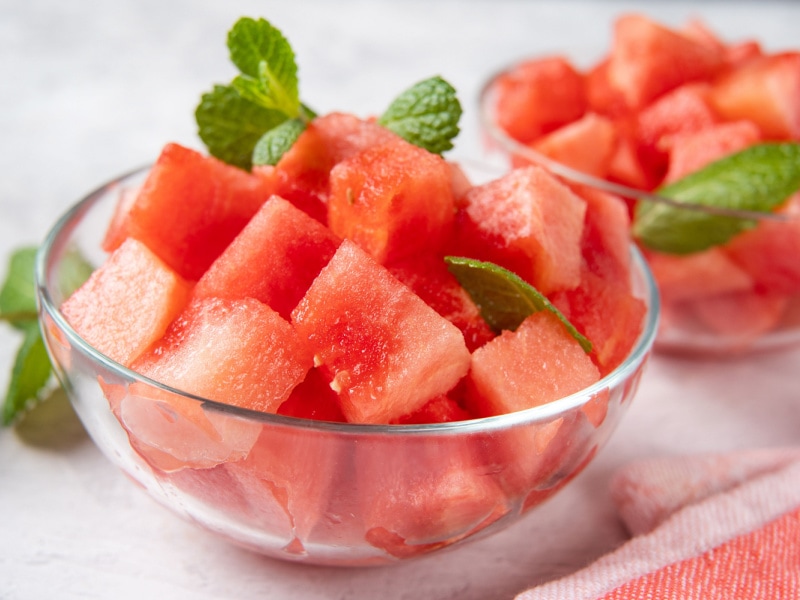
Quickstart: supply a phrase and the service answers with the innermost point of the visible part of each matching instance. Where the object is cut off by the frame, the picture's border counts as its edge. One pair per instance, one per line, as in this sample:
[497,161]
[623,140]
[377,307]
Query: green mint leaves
[233,119]
[504,298]
[31,371]
[266,61]
[426,115]
[757,179]
[256,118]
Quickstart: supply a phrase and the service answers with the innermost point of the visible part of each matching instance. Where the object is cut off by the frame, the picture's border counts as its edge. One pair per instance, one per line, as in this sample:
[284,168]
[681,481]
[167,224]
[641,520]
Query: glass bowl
[740,297]
[314,491]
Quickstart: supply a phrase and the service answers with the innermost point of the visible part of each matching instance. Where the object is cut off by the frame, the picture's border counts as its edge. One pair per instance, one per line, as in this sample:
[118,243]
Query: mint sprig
[426,115]
[31,371]
[757,179]
[504,299]
[31,374]
[277,141]
[256,118]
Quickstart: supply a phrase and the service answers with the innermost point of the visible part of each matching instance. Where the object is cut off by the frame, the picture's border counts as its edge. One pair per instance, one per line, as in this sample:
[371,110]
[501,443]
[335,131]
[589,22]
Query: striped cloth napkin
[704,527]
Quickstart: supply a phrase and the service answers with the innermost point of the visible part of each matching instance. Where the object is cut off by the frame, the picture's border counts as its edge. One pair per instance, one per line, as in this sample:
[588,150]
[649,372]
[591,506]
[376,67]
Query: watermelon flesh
[238,352]
[302,174]
[527,222]
[427,495]
[274,259]
[537,363]
[99,310]
[393,200]
[217,201]
[365,328]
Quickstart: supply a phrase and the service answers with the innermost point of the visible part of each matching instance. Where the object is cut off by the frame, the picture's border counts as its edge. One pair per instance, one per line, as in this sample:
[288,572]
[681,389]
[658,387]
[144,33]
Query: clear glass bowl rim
[617,377]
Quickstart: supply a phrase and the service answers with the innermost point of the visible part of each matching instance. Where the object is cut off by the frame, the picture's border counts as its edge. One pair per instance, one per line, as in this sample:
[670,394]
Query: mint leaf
[230,125]
[261,52]
[29,376]
[277,141]
[758,179]
[18,294]
[504,299]
[426,115]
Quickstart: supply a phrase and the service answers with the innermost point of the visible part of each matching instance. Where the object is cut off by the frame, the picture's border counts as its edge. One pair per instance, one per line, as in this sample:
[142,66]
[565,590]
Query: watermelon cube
[100,312]
[274,259]
[648,59]
[769,251]
[539,96]
[743,315]
[537,363]
[691,151]
[393,200]
[301,175]
[428,277]
[606,241]
[425,496]
[238,352]
[171,432]
[764,90]
[288,477]
[528,222]
[586,145]
[190,208]
[601,96]
[387,352]
[607,313]
[697,275]
[684,109]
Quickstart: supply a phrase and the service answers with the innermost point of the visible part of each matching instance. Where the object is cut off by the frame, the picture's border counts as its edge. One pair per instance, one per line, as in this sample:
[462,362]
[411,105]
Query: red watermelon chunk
[100,313]
[274,259]
[393,200]
[606,241]
[301,175]
[238,352]
[766,91]
[386,351]
[697,275]
[539,96]
[428,277]
[684,109]
[648,59]
[691,151]
[538,363]
[288,477]
[190,208]
[528,222]
[607,313]
[172,432]
[743,315]
[425,496]
[586,145]
[313,399]
[602,96]
[769,252]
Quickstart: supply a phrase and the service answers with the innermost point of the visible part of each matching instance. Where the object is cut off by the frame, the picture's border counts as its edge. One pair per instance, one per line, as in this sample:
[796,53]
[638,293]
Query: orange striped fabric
[707,528]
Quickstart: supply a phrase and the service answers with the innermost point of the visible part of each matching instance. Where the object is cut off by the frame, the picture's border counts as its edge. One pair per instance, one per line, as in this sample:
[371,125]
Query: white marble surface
[90,89]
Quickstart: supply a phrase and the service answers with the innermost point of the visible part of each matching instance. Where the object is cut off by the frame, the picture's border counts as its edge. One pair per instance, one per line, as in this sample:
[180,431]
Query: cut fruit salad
[699,121]
[339,271]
